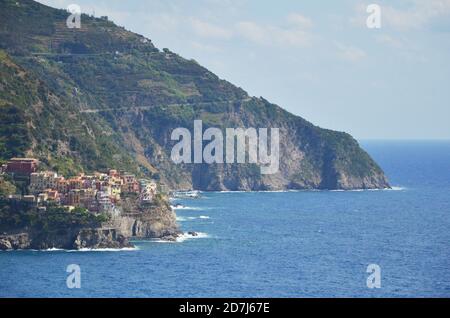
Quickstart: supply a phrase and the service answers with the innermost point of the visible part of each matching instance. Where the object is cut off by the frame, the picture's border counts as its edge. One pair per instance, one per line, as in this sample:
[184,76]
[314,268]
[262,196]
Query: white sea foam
[34,250]
[157,241]
[364,190]
[80,250]
[186,236]
[53,249]
[227,191]
[125,249]
[396,189]
[262,191]
[190,218]
[180,239]
[187,208]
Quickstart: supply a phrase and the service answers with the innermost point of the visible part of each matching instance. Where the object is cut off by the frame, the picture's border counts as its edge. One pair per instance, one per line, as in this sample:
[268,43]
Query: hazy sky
[316,59]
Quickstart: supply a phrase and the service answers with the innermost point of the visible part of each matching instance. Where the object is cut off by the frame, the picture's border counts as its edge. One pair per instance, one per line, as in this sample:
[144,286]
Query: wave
[367,190]
[204,217]
[180,239]
[124,249]
[34,250]
[190,218]
[394,188]
[53,249]
[353,190]
[262,191]
[186,236]
[187,208]
[195,194]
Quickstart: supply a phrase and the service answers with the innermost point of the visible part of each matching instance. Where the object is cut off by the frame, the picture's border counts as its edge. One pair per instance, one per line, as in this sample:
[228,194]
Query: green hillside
[101,96]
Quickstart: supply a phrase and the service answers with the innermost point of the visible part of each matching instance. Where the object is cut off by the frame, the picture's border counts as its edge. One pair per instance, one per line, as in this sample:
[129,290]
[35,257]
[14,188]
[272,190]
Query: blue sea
[278,244]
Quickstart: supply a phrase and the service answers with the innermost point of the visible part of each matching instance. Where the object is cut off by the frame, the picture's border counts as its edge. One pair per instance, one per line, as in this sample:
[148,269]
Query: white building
[148,191]
[40,181]
[104,202]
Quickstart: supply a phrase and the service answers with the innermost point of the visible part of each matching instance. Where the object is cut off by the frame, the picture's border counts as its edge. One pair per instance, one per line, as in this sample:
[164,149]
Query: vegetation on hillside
[101,96]
[20,215]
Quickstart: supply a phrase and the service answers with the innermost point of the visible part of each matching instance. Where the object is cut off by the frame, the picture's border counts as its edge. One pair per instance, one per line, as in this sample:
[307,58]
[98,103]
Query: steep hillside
[101,96]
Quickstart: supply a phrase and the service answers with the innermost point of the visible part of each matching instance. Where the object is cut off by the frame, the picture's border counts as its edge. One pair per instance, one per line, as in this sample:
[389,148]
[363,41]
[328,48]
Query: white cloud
[209,30]
[419,15]
[251,31]
[163,23]
[407,50]
[350,53]
[299,20]
[205,47]
[296,34]
[390,41]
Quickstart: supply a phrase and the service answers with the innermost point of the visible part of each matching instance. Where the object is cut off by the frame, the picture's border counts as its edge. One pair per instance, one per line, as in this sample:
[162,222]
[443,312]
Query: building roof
[23,159]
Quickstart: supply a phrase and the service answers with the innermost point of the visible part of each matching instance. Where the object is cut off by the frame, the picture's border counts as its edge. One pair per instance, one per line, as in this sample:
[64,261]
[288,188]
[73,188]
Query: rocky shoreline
[91,238]
[158,222]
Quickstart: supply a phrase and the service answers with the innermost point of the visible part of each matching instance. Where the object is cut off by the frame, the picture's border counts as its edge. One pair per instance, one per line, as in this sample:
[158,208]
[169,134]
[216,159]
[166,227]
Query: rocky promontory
[75,231]
[69,239]
[157,221]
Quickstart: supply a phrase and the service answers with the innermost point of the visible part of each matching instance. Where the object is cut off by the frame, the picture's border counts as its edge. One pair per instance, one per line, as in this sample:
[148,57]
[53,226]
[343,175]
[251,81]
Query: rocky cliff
[69,238]
[67,231]
[157,221]
[101,96]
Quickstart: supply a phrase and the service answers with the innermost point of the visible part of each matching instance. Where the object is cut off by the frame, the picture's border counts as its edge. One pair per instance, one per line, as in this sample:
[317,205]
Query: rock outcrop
[70,239]
[100,238]
[156,221]
[18,241]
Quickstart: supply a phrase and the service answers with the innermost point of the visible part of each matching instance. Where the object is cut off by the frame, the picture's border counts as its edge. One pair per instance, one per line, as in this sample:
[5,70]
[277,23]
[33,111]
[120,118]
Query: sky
[316,59]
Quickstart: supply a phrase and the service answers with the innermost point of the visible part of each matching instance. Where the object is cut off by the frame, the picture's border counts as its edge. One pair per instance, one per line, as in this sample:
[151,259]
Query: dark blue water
[293,244]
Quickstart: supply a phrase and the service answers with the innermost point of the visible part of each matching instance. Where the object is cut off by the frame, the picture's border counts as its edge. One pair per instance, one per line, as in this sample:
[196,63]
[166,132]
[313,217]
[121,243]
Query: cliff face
[157,221]
[100,238]
[18,241]
[156,224]
[310,157]
[152,222]
[101,96]
[70,239]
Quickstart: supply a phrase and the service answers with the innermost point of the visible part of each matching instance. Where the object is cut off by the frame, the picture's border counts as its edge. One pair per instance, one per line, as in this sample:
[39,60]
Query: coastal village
[97,193]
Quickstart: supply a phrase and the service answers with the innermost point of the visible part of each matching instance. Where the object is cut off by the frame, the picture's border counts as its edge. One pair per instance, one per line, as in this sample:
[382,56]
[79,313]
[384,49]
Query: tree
[6,188]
